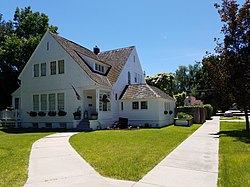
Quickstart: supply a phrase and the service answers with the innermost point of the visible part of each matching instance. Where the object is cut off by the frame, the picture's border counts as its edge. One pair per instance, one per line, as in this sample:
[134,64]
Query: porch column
[97,99]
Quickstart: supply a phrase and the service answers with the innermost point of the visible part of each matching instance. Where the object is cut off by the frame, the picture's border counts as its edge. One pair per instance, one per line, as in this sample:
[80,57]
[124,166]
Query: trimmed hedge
[210,110]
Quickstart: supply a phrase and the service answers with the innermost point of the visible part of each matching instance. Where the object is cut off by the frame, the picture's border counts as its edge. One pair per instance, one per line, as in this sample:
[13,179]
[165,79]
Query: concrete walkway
[193,163]
[53,162]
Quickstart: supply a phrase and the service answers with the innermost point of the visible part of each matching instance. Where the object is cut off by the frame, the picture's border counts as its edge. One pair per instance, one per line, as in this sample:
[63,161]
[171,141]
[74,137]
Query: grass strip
[234,155]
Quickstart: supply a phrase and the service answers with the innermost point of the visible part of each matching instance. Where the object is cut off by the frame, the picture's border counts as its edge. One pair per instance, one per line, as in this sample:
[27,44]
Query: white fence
[9,118]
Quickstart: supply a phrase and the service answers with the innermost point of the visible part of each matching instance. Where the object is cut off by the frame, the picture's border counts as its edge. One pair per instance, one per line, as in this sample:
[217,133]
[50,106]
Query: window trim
[61,66]
[144,108]
[35,98]
[43,73]
[135,103]
[36,70]
[53,68]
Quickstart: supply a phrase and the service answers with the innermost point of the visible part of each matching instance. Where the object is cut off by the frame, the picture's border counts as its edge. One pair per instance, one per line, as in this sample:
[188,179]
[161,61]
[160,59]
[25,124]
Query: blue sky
[166,33]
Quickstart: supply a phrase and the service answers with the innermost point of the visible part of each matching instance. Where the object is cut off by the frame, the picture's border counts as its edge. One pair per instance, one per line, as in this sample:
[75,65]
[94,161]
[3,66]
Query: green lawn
[15,146]
[128,154]
[234,158]
[231,118]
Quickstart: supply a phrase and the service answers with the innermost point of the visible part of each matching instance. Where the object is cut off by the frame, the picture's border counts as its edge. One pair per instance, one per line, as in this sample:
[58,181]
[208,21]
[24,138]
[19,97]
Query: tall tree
[234,52]
[18,40]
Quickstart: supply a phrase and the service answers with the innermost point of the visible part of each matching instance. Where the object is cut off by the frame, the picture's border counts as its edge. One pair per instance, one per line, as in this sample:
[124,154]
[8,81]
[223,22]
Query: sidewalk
[193,163]
[53,162]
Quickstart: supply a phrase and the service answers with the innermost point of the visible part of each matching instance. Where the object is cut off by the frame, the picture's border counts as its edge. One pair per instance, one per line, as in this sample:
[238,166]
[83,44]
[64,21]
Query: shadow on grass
[240,135]
[30,130]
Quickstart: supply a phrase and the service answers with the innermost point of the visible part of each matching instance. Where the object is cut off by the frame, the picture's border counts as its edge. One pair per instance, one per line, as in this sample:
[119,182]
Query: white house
[62,77]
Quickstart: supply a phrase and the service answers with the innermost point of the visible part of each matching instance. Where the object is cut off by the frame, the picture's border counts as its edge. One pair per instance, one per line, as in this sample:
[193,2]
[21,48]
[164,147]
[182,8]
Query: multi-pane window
[60,101]
[99,68]
[43,69]
[53,67]
[135,105]
[60,66]
[35,102]
[104,101]
[43,102]
[36,70]
[144,105]
[52,102]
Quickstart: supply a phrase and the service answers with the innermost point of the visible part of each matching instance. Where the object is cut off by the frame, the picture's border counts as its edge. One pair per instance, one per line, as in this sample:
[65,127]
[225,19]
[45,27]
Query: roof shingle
[143,91]
[115,58]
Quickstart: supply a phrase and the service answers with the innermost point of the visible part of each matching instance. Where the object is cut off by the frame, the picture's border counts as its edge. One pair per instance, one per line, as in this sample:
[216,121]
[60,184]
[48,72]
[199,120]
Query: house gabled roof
[143,91]
[116,59]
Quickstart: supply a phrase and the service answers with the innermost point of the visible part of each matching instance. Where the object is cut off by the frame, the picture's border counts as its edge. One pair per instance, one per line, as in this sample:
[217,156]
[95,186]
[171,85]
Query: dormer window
[99,68]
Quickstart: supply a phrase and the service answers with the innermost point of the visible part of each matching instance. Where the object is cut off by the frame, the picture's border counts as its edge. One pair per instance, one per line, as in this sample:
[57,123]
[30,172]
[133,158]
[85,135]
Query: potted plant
[77,114]
[94,115]
[32,113]
[183,119]
[52,113]
[41,113]
[62,113]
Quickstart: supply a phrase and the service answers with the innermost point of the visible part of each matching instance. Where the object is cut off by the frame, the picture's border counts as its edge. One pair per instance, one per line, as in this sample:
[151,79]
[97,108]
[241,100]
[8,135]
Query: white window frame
[35,101]
[61,67]
[144,108]
[52,101]
[44,102]
[135,103]
[104,106]
[60,101]
[53,68]
[36,70]
[43,69]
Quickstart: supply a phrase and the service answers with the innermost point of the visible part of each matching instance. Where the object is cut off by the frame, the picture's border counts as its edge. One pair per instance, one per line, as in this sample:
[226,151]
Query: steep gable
[74,50]
[116,59]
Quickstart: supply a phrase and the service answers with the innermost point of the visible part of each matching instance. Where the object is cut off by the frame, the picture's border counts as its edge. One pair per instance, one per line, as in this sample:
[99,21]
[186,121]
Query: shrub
[210,110]
[182,115]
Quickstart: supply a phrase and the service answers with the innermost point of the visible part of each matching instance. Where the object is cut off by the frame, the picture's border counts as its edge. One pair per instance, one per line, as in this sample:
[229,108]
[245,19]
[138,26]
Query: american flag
[78,97]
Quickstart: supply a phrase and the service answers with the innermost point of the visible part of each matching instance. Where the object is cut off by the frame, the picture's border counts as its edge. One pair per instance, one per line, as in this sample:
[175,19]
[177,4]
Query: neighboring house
[62,77]
[191,101]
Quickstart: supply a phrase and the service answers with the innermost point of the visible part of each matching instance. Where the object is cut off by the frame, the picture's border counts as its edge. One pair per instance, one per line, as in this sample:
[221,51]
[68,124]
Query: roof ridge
[132,46]
[153,90]
[75,44]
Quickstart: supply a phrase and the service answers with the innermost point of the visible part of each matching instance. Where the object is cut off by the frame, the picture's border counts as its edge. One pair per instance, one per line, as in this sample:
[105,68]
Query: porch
[94,110]
[10,118]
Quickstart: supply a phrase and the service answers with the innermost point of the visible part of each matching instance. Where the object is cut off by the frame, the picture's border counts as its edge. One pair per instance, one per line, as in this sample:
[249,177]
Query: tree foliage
[18,40]
[163,81]
[231,67]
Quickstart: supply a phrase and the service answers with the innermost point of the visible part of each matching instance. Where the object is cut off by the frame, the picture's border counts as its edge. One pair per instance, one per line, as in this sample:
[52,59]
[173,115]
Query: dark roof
[115,58]
[143,91]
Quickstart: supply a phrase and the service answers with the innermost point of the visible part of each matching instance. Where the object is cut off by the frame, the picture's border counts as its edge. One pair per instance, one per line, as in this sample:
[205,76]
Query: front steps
[84,126]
